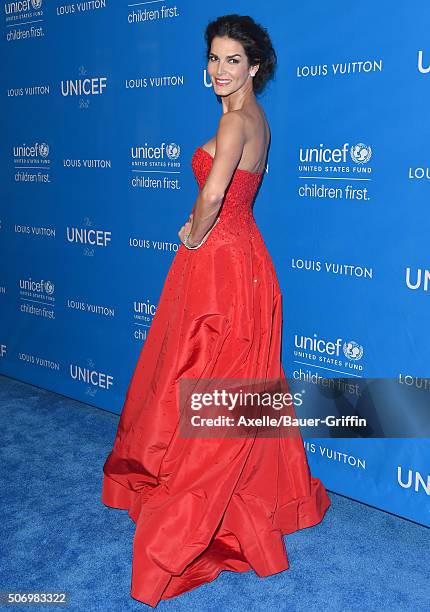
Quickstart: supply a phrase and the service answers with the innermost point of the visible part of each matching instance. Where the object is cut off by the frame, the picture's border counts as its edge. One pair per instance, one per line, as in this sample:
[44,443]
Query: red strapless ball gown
[200,505]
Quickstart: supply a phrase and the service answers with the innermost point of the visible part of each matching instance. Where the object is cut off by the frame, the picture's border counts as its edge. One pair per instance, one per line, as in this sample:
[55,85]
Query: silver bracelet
[191,247]
[202,241]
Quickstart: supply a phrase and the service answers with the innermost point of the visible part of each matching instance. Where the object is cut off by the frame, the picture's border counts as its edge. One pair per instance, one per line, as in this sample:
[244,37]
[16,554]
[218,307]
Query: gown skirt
[202,505]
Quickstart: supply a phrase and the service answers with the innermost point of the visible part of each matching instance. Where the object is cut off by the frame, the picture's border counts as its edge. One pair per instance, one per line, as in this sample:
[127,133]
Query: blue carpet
[56,534]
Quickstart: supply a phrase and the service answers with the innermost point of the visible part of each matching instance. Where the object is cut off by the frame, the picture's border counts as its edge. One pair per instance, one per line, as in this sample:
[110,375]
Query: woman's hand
[185,229]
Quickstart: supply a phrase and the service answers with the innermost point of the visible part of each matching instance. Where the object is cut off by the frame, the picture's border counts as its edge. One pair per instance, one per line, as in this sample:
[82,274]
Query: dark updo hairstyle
[254,39]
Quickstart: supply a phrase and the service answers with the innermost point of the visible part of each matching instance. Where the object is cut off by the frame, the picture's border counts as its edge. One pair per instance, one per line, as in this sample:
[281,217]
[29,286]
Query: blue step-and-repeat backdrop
[89,221]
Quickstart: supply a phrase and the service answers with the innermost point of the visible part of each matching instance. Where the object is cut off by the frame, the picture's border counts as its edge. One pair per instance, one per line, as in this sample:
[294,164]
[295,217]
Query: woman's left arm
[229,148]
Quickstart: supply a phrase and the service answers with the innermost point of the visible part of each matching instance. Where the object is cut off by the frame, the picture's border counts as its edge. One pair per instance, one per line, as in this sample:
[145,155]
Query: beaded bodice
[239,197]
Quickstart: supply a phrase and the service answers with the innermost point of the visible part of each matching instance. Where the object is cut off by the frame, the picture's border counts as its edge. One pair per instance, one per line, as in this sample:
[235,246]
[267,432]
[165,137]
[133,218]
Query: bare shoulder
[246,120]
[231,129]
[233,119]
[246,133]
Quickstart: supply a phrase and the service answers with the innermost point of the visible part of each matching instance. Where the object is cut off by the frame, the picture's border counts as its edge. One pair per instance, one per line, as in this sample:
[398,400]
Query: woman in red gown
[202,505]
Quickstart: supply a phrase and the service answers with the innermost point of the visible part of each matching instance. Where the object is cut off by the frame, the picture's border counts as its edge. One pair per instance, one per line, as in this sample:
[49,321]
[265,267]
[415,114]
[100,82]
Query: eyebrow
[229,56]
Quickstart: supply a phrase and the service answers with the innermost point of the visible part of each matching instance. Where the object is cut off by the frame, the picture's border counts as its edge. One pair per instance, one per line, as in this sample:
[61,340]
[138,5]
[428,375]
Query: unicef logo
[49,287]
[44,149]
[360,153]
[36,4]
[352,350]
[173,150]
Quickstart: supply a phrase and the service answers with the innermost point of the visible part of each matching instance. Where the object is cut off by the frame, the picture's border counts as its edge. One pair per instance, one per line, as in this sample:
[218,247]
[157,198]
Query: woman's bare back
[257,140]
